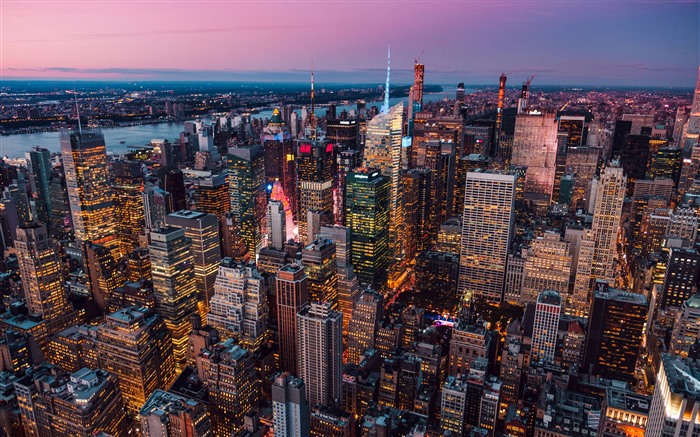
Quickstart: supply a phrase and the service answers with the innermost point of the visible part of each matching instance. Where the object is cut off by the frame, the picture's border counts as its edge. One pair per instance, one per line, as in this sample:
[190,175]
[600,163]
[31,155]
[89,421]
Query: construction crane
[524,95]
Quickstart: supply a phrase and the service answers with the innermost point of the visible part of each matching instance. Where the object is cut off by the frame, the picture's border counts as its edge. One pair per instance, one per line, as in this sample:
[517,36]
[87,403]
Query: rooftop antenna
[77,111]
[313,116]
[385,106]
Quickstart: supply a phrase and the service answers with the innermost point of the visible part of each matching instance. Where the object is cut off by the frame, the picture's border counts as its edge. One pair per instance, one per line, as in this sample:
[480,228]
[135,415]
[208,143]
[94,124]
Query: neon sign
[305,148]
[329,148]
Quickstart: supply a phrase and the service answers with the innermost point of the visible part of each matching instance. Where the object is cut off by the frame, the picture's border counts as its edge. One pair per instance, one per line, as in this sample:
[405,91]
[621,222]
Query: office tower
[174,183]
[343,132]
[39,164]
[686,329]
[418,210]
[238,308]
[89,194]
[348,286]
[574,128]
[328,421]
[135,345]
[289,407]
[348,160]
[582,162]
[453,404]
[366,314]
[128,203]
[276,225]
[400,379]
[665,163]
[615,328]
[535,146]
[682,270]
[623,413]
[156,205]
[383,153]
[138,265]
[174,285]
[439,156]
[203,232]
[436,277]
[228,372]
[582,245]
[42,278]
[82,404]
[418,79]
[211,194]
[167,414]
[609,198]
[320,353]
[315,163]
[634,159]
[103,274]
[547,267]
[60,215]
[673,408]
[367,216]
[280,165]
[683,223]
[546,326]
[246,176]
[292,294]
[233,245]
[319,261]
[486,235]
[449,237]
[691,133]
[470,340]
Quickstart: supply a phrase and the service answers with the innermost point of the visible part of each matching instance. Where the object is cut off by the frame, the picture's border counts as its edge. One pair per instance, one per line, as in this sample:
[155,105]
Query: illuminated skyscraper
[606,221]
[238,308]
[674,405]
[487,228]
[383,153]
[211,195]
[363,324]
[319,261]
[102,273]
[128,203]
[546,326]
[90,197]
[42,279]
[547,267]
[203,231]
[320,361]
[280,164]
[167,414]
[135,345]
[289,407]
[418,209]
[174,285]
[292,294]
[39,164]
[367,216]
[535,146]
[692,127]
[246,176]
[314,185]
[276,225]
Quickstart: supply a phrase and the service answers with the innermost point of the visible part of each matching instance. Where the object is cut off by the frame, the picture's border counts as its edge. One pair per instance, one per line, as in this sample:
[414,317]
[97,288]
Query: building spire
[385,106]
[77,111]
[313,116]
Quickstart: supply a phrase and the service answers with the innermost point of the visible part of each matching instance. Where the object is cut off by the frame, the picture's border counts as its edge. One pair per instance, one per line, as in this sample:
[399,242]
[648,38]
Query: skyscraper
[682,271]
[289,407]
[174,285]
[487,226]
[211,194]
[238,308]
[246,173]
[366,314]
[128,203]
[367,216]
[314,184]
[90,197]
[39,163]
[692,127]
[320,353]
[167,414]
[292,294]
[546,326]
[42,278]
[535,146]
[606,221]
[674,404]
[276,225]
[547,267]
[383,153]
[203,232]
[319,261]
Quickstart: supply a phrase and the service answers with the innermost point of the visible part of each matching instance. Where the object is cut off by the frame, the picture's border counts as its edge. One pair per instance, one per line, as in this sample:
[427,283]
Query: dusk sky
[561,42]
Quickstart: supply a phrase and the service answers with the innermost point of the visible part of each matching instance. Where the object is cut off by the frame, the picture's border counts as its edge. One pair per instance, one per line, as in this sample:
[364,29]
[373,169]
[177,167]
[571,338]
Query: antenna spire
[385,106]
[77,111]
[313,116]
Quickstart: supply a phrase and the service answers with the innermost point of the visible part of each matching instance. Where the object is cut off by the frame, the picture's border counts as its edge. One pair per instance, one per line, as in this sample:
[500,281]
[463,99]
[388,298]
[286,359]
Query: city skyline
[569,43]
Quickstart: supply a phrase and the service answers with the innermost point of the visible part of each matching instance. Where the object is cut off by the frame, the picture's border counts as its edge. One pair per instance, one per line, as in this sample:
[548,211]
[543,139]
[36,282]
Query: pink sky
[463,40]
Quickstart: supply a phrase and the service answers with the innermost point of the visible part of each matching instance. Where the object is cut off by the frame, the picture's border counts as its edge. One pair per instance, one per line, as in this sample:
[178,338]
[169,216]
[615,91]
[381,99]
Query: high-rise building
[331,422]
[39,163]
[246,178]
[135,345]
[211,194]
[280,164]
[168,414]
[582,245]
[174,183]
[419,210]
[686,329]
[320,361]
[546,326]
[228,372]
[276,225]
[674,404]
[156,205]
[623,413]
[547,267]
[238,308]
[348,286]
[232,244]
[348,160]
[60,215]
[367,216]
[290,410]
[319,261]
[174,285]
[691,133]
[42,277]
[453,404]
[90,197]
[417,90]
[203,231]
[315,163]
[383,153]
[535,146]
[486,234]
[682,272]
[292,294]
[606,221]
[615,328]
[367,313]
[103,274]
[128,203]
